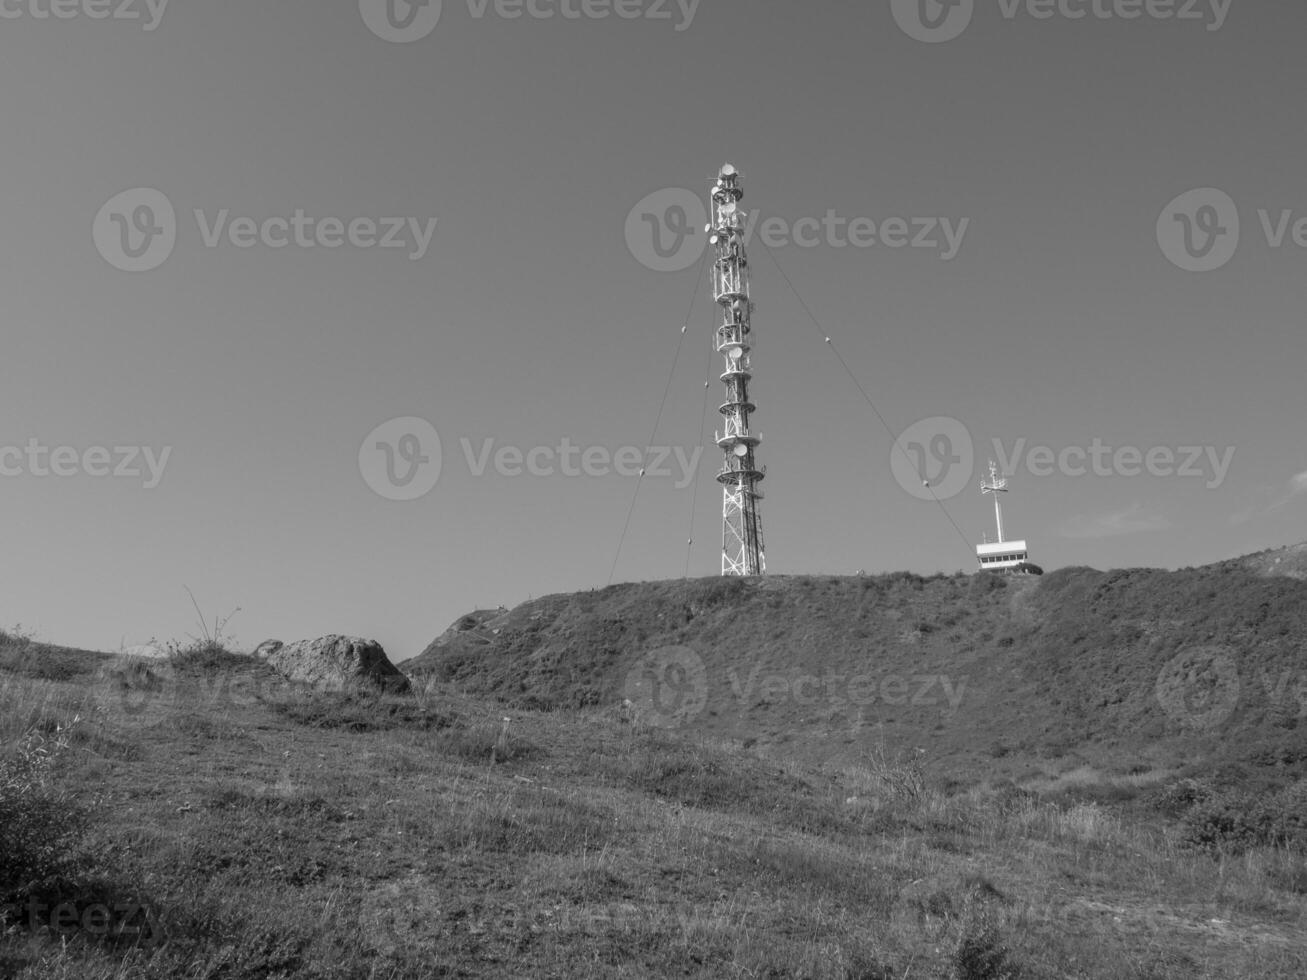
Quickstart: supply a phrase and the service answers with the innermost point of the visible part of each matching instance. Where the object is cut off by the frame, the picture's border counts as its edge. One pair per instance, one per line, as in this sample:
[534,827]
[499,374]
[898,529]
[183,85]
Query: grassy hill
[990,675]
[709,779]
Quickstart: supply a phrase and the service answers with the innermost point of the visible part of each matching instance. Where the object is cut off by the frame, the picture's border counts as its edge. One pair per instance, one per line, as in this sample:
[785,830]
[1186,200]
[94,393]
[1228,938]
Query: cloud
[1278,496]
[1131,520]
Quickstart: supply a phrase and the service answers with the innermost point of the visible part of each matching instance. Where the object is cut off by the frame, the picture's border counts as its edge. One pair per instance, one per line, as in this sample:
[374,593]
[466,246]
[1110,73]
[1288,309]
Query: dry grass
[340,836]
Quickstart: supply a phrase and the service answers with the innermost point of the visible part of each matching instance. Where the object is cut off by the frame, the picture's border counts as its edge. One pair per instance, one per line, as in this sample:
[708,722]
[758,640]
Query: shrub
[40,827]
[1178,798]
[1235,821]
[205,657]
[980,951]
[902,780]
[983,583]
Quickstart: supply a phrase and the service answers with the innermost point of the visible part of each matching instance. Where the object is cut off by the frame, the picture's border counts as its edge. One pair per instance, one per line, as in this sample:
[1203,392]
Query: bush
[206,657]
[902,780]
[980,950]
[1232,822]
[40,827]
[1179,798]
[982,583]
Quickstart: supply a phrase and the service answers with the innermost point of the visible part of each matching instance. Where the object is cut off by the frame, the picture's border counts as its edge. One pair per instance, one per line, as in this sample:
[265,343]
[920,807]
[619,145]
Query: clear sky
[531,314]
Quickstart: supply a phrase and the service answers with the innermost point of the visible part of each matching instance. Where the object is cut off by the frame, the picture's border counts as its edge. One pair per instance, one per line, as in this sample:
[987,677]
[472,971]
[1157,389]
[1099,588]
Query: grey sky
[527,320]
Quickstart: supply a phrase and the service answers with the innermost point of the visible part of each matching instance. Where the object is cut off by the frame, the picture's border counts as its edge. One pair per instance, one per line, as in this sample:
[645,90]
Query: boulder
[333,663]
[266,649]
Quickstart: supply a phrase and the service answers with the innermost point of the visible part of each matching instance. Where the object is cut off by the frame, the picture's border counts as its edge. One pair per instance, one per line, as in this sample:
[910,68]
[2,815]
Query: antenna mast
[742,546]
[995,486]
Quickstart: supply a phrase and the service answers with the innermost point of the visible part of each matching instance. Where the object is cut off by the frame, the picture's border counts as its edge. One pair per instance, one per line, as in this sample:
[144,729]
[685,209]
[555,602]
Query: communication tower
[742,545]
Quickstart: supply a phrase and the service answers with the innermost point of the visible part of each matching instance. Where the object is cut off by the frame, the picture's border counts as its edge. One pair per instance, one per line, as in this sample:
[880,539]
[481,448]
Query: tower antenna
[742,545]
[1002,555]
[995,486]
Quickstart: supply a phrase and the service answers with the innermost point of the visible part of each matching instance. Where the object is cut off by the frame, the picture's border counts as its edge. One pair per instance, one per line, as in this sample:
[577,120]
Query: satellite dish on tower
[737,353]
[741,450]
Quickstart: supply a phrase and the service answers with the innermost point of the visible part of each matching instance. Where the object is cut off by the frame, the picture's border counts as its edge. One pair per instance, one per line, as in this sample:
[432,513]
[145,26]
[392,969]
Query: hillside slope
[197,817]
[1134,668]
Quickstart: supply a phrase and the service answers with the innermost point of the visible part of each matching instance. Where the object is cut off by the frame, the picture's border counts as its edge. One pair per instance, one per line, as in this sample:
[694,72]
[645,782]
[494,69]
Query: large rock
[266,649]
[332,663]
